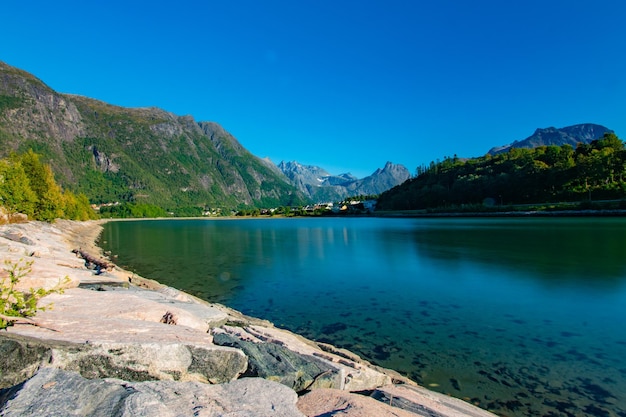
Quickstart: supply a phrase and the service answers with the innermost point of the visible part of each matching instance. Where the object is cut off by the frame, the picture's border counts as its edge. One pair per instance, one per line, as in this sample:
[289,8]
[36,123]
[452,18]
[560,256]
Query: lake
[521,316]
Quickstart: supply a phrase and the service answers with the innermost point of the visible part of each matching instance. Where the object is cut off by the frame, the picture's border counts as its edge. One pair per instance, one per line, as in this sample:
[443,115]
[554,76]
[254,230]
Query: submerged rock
[423,402]
[332,402]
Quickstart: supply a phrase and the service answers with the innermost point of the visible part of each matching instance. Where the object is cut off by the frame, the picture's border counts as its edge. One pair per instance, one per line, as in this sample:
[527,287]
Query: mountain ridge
[516,180]
[570,135]
[320,185]
[147,154]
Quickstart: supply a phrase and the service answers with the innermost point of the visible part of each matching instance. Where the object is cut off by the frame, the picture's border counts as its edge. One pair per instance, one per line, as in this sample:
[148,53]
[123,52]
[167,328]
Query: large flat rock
[121,332]
[129,314]
[48,247]
[54,392]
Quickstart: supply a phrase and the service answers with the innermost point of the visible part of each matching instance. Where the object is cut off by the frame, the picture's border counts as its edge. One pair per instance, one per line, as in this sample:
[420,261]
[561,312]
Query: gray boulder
[277,363]
[55,392]
[354,373]
[21,357]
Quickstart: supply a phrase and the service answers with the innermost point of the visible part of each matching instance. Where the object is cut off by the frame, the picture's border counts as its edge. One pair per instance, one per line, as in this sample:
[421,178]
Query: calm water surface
[519,316]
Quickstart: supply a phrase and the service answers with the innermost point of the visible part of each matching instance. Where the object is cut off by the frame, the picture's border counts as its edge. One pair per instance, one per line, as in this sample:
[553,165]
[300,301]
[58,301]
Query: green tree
[16,195]
[77,207]
[27,186]
[521,176]
[49,204]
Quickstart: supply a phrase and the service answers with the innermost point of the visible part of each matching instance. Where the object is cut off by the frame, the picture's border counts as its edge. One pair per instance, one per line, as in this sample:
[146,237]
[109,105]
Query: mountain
[319,185]
[586,174]
[149,155]
[571,135]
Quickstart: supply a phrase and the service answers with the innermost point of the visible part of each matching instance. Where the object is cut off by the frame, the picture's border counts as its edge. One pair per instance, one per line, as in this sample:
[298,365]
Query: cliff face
[148,155]
[32,109]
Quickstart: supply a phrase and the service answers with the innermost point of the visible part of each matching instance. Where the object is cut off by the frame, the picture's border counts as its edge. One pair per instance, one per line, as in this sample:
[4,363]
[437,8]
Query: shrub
[14,304]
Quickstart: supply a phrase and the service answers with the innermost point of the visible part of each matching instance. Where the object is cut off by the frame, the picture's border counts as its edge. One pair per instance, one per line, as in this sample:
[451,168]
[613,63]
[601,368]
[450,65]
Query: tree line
[27,186]
[546,174]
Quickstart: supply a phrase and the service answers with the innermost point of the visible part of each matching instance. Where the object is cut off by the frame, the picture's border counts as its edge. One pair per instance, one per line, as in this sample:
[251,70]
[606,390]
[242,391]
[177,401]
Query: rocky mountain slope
[319,185]
[570,135]
[144,155]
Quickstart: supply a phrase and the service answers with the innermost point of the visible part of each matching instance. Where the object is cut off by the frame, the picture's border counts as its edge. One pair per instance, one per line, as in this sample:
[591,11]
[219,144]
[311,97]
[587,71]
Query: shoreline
[100,314]
[403,214]
[500,214]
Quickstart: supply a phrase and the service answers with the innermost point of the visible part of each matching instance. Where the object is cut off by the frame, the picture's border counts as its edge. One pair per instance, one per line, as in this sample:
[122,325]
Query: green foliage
[41,149]
[546,174]
[361,197]
[16,195]
[284,210]
[76,207]
[133,210]
[104,187]
[253,212]
[14,303]
[9,102]
[188,211]
[49,205]
[28,186]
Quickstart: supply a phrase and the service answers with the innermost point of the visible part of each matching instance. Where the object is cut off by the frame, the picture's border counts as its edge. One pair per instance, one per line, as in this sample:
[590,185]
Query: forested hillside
[143,156]
[593,171]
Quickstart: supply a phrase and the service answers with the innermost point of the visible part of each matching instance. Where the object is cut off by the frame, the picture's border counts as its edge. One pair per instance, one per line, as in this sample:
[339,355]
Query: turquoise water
[519,316]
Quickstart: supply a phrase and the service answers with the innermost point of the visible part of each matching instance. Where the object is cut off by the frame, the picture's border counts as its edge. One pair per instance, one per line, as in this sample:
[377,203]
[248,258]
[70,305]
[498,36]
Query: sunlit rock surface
[56,392]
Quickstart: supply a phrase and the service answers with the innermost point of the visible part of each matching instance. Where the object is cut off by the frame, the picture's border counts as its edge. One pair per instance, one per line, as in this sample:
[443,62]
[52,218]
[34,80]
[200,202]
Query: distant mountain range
[570,135]
[149,155]
[319,185]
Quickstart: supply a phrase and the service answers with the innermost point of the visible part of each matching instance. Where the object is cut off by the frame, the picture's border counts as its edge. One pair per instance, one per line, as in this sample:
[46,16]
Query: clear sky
[343,84]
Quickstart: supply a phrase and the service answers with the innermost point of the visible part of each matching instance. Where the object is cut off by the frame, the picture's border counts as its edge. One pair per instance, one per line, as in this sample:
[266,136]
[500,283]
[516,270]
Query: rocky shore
[115,344]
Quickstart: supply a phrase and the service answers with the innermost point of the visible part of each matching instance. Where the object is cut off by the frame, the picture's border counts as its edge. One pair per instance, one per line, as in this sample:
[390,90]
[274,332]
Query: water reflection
[499,311]
[558,251]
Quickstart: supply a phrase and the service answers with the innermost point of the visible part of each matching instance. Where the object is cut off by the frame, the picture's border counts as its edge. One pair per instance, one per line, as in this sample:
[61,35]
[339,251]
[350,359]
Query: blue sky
[342,84]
